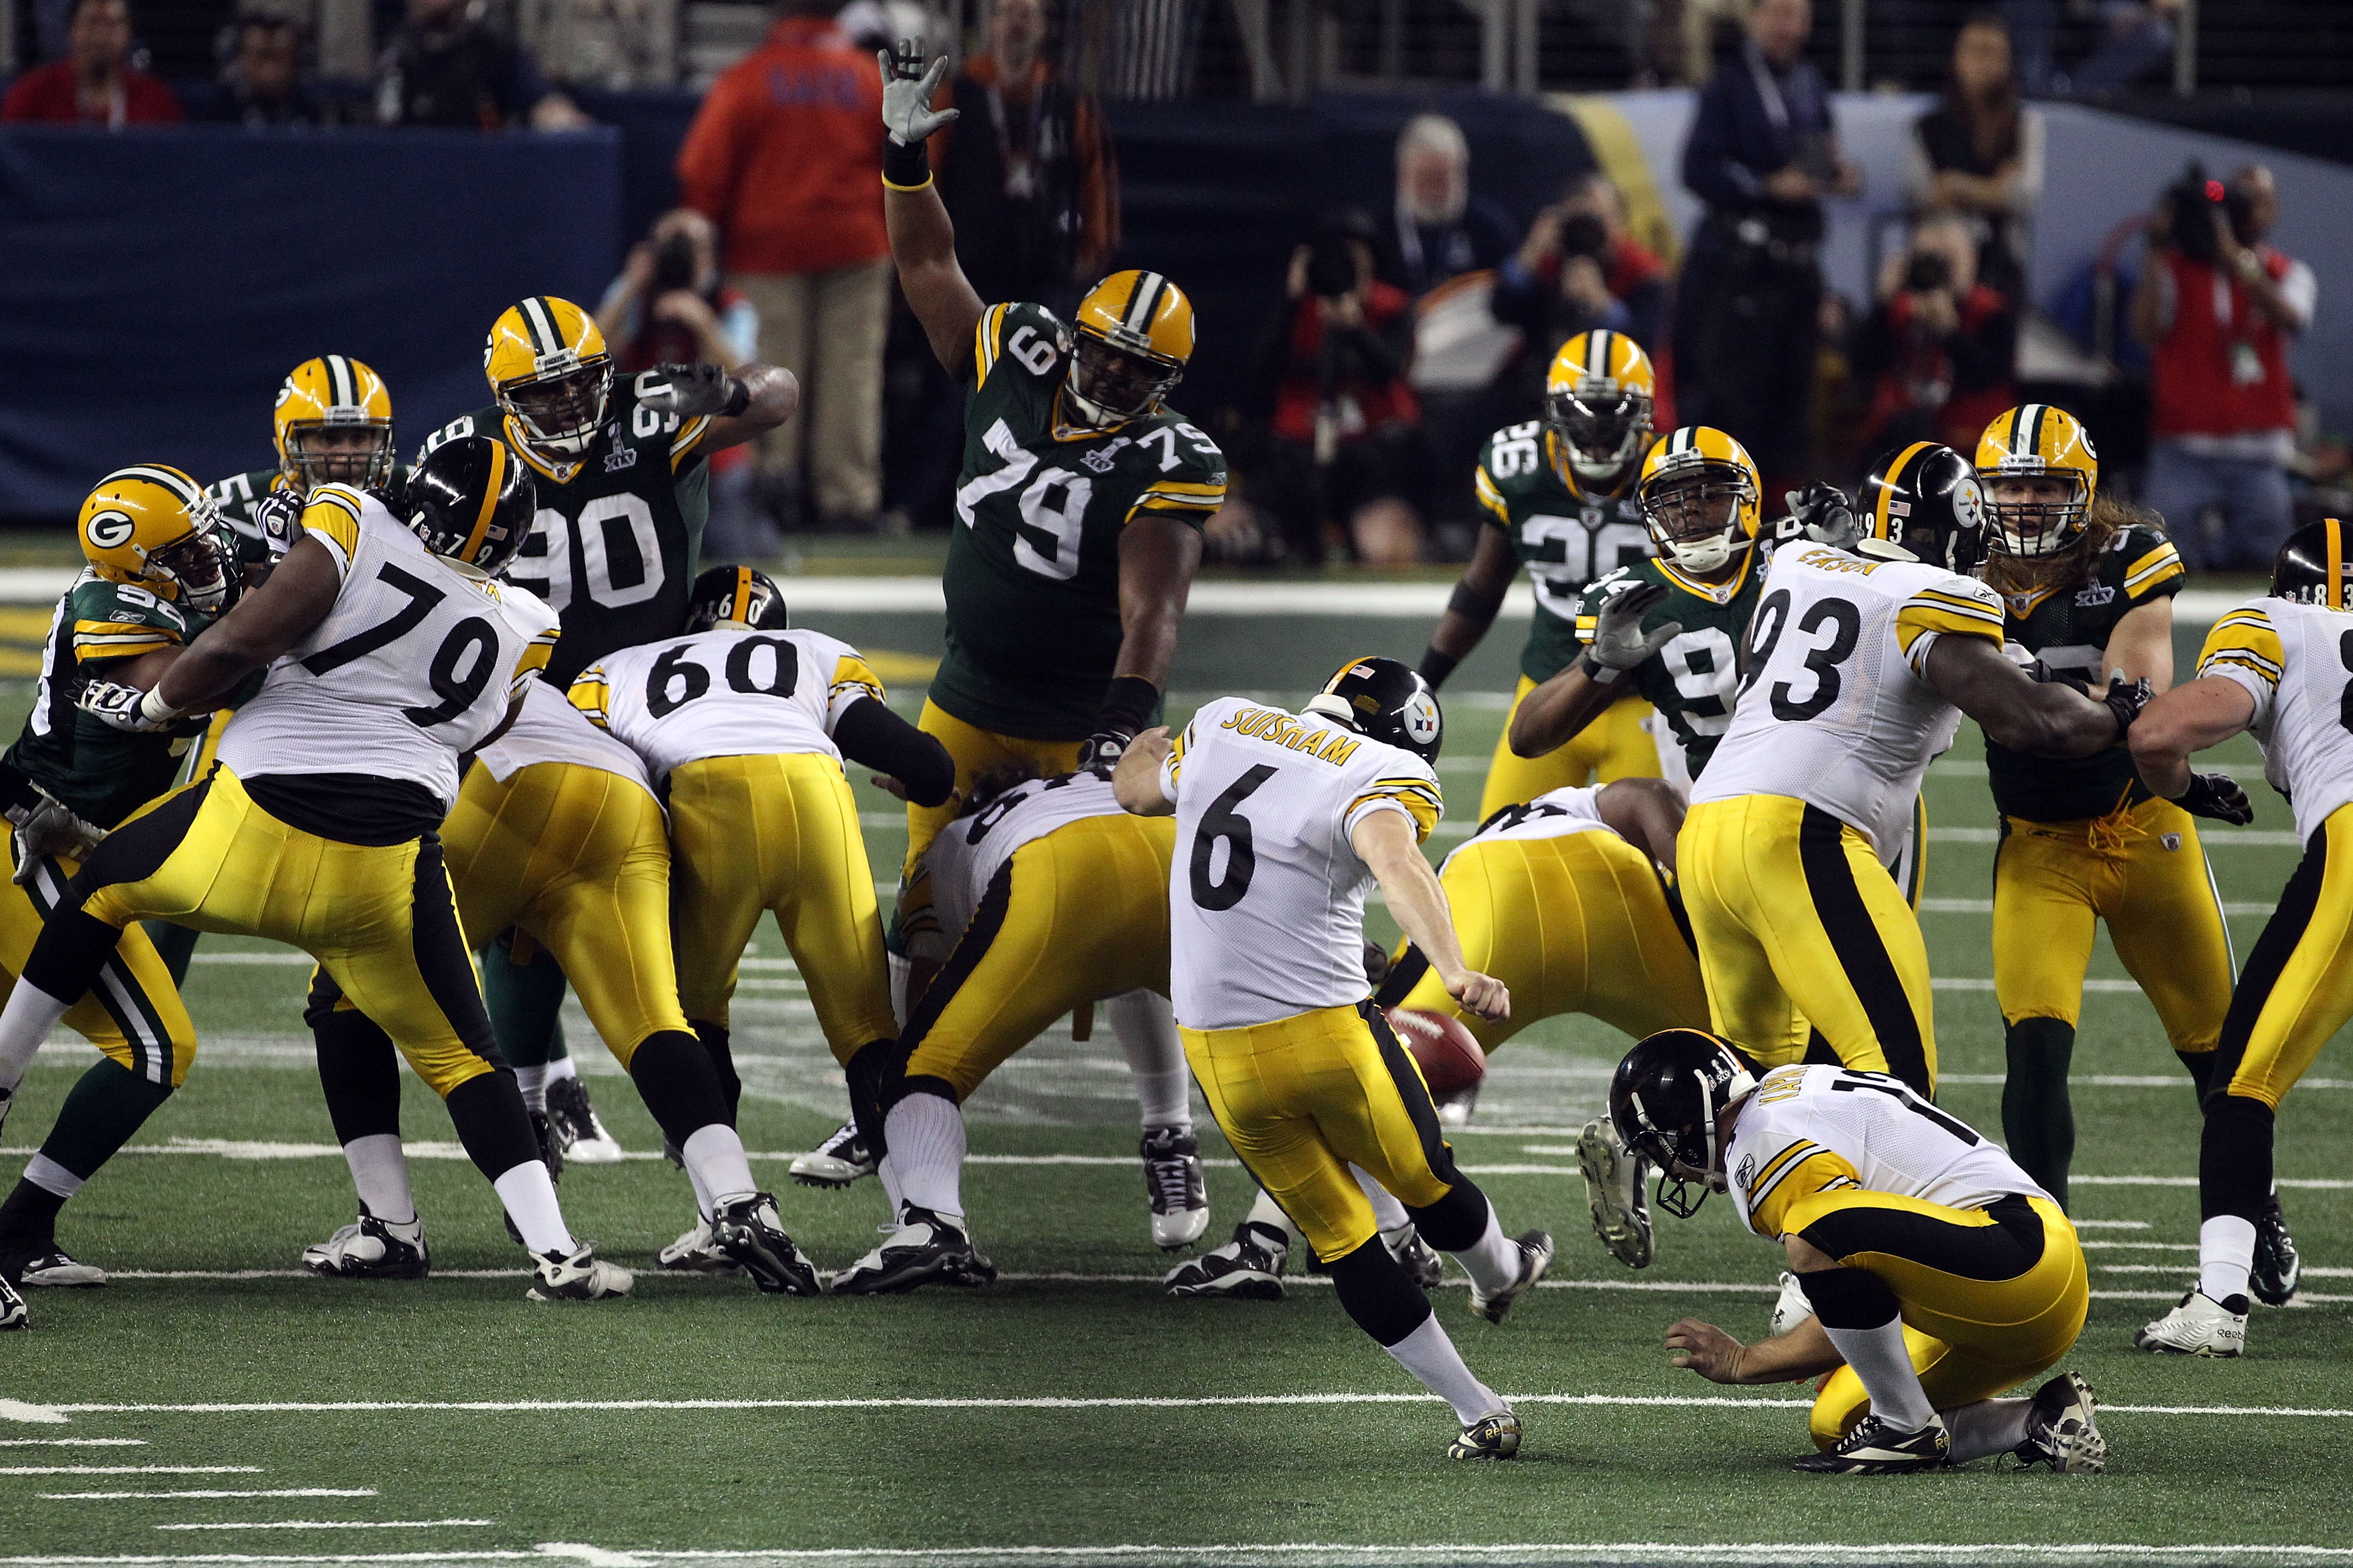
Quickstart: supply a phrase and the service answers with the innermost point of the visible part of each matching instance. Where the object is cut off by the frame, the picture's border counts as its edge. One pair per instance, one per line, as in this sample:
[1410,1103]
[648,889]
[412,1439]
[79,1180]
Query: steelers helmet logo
[1969,503]
[1421,719]
[112,530]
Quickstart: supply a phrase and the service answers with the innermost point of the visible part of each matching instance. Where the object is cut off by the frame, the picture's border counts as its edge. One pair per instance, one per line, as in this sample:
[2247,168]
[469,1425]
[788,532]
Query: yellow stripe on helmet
[739,606]
[2336,532]
[490,502]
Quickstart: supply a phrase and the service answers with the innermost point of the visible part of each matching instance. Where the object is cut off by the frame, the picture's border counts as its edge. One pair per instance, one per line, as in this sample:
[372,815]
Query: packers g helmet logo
[112,530]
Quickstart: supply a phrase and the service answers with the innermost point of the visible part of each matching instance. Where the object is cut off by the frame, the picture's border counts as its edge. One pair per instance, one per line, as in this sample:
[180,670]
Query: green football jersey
[1692,678]
[1565,539]
[2068,630]
[1032,574]
[618,537]
[102,773]
[240,498]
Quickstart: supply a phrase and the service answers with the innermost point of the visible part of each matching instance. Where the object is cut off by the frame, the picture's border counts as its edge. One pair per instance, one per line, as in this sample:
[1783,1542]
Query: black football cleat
[370,1248]
[836,1162]
[1495,1436]
[2278,1268]
[578,1133]
[1535,1259]
[1246,1269]
[1172,1181]
[1422,1263]
[1876,1449]
[2062,1429]
[747,1228]
[925,1249]
[12,1309]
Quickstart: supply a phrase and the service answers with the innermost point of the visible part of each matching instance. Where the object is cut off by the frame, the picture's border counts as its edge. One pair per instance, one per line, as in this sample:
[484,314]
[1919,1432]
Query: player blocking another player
[386,659]
[1938,1272]
[743,723]
[1283,823]
[2276,666]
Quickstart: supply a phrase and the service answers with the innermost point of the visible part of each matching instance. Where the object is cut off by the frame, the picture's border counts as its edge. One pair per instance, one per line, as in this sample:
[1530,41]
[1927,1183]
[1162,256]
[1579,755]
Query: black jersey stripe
[1862,953]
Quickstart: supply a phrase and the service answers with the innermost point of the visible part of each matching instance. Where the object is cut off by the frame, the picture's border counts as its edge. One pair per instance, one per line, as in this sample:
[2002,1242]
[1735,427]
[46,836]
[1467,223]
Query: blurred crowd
[1405,335]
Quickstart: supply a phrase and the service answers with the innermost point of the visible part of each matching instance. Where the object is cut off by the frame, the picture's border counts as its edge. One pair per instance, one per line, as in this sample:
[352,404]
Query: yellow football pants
[1797,921]
[1974,1327]
[578,858]
[1078,914]
[2298,989]
[381,919]
[2143,871]
[1614,746]
[1572,924]
[134,1013]
[1304,1097]
[977,752]
[778,834]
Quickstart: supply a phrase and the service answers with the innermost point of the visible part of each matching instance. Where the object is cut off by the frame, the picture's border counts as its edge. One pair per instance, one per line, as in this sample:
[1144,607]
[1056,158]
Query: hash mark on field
[274,1491]
[337,1524]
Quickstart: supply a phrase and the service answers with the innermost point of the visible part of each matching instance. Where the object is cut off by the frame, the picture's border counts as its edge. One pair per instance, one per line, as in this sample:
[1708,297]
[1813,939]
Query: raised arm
[2043,719]
[1472,610]
[923,240]
[1557,711]
[1384,841]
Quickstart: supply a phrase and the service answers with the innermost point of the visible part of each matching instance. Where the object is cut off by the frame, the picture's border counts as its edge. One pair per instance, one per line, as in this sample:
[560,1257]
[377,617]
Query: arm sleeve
[2153,570]
[988,345]
[1171,772]
[100,633]
[592,693]
[853,682]
[333,516]
[1956,607]
[2244,646]
[1798,1170]
[1415,794]
[870,734]
[1194,490]
[533,659]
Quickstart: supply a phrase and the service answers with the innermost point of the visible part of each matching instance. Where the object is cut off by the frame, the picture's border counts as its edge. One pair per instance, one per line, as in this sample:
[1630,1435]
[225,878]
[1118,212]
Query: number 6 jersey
[1266,894]
[1032,574]
[725,694]
[1835,708]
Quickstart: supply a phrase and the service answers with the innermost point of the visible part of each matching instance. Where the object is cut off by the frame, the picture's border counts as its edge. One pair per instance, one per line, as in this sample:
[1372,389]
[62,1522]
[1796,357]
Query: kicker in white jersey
[725,694]
[2292,659]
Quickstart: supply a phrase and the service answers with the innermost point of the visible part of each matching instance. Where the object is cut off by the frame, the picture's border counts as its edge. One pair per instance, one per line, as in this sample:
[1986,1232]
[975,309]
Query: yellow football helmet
[1597,410]
[153,527]
[335,426]
[1133,337]
[2031,442]
[1700,494]
[553,376]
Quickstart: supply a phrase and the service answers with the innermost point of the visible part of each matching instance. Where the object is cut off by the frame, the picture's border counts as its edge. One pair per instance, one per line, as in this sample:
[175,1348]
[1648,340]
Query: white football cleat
[696,1253]
[2198,1325]
[836,1162]
[1455,1110]
[581,1135]
[370,1248]
[1172,1181]
[2062,1429]
[1791,1307]
[12,1308]
[1613,1191]
[583,1277]
[56,1271]
[927,1247]
[1249,1268]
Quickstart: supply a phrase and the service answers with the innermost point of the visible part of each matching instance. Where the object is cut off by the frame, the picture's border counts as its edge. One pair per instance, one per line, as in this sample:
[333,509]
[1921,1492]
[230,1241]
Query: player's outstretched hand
[2219,796]
[2126,699]
[1706,1350]
[1480,994]
[1825,514]
[907,89]
[113,703]
[51,828]
[1618,640]
[692,391]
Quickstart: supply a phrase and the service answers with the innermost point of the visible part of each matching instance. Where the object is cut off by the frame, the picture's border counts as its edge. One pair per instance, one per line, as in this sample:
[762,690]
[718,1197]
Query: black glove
[2219,796]
[692,391]
[1127,708]
[2125,702]
[1825,514]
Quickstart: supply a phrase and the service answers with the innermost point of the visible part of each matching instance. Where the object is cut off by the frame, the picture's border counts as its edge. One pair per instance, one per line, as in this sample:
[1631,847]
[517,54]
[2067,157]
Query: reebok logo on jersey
[2172,841]
[620,457]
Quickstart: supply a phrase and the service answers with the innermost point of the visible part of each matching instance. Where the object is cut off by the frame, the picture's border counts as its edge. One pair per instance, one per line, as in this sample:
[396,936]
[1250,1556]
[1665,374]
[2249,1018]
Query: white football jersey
[966,855]
[2296,660]
[1553,815]
[418,660]
[1835,708]
[550,729]
[725,694]
[1815,1129]
[1266,894]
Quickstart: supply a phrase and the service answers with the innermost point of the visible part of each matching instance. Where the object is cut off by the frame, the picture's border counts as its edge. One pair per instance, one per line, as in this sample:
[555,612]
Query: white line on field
[273,1491]
[2143,1245]
[338,1524]
[126,1469]
[97,1442]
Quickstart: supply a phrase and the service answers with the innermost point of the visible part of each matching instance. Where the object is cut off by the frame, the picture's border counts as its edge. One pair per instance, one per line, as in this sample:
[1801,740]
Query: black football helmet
[470,501]
[2313,566]
[736,593]
[1384,700]
[1925,500]
[1664,1099]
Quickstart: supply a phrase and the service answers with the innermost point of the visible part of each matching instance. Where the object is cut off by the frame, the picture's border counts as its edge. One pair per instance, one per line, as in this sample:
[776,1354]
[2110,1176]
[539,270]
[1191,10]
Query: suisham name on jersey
[1273,724]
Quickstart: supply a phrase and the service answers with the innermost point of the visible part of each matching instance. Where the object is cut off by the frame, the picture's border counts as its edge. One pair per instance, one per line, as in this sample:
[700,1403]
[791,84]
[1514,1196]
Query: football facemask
[1109,386]
[201,566]
[561,414]
[1694,516]
[339,453]
[1603,429]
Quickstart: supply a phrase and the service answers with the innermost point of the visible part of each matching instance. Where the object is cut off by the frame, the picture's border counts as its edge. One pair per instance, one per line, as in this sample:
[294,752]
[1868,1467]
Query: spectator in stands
[1939,346]
[784,158]
[1440,230]
[95,84]
[262,85]
[670,307]
[1577,270]
[1343,451]
[2137,40]
[445,69]
[2217,307]
[1979,153]
[1027,172]
[1762,153]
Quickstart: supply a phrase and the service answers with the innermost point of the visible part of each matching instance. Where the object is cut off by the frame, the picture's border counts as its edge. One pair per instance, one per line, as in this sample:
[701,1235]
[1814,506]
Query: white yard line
[126,1469]
[274,1491]
[1985,906]
[76,1442]
[340,1524]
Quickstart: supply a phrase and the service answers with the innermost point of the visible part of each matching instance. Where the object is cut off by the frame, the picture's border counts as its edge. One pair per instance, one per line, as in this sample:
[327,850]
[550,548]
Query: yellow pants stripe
[1614,746]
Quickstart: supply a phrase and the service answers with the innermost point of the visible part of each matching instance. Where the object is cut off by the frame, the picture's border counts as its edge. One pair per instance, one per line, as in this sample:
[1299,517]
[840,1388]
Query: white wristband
[154,709]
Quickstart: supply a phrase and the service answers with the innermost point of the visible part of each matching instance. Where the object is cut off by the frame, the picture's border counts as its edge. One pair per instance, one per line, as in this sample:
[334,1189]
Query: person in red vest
[95,84]
[2218,316]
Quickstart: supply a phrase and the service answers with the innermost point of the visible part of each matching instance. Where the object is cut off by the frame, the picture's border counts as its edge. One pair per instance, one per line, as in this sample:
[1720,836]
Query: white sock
[2226,1255]
[886,1170]
[1269,1213]
[25,1023]
[51,1177]
[561,1067]
[714,1159]
[1146,1030]
[530,1197]
[1430,1356]
[1493,1260]
[380,1172]
[925,1135]
[1388,1212]
[1988,1427]
[702,1193]
[902,972]
[1879,1358]
[533,1081]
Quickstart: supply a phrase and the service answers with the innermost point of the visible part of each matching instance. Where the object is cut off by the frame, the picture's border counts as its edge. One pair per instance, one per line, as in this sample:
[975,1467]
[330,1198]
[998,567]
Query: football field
[212,1405]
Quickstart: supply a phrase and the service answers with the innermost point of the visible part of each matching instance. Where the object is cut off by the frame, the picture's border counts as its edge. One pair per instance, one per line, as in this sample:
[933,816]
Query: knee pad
[1377,1293]
[1849,1298]
[1455,1222]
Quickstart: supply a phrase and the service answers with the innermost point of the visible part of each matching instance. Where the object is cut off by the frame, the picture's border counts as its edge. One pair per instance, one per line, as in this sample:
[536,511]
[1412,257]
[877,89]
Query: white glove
[1620,644]
[126,707]
[51,828]
[907,112]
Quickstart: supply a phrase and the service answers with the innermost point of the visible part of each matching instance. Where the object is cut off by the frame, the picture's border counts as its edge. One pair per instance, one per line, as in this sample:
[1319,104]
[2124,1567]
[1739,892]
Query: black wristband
[739,398]
[905,165]
[1598,672]
[1472,604]
[1436,666]
[19,796]
[1128,706]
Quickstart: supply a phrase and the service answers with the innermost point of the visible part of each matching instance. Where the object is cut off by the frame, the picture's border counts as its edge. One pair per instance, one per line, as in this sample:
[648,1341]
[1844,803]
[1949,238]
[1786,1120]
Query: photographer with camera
[1579,271]
[1939,347]
[2217,308]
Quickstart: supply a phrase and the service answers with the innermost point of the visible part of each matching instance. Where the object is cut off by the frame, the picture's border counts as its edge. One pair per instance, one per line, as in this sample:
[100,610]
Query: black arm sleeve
[873,736]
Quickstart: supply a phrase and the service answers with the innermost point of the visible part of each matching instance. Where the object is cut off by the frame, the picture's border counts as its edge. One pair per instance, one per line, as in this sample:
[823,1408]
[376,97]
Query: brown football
[1449,1058]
